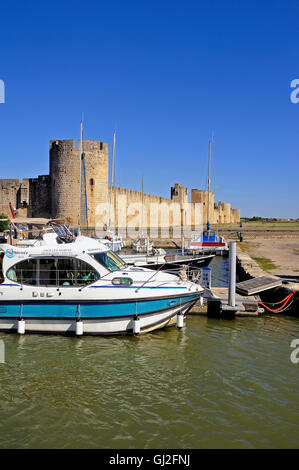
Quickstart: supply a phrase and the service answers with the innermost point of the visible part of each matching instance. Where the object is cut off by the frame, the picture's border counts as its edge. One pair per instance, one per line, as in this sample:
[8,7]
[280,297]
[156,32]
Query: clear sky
[167,75]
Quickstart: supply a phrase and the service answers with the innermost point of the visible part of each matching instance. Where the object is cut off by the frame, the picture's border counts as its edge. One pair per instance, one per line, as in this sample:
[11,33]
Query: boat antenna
[80,176]
[209,184]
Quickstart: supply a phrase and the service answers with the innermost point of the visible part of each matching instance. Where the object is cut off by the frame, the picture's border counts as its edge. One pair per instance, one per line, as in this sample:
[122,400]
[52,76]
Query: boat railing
[148,280]
[193,273]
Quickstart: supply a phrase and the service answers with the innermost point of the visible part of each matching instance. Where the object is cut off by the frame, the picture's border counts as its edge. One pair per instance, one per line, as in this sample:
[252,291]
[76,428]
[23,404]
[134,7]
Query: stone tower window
[91,181]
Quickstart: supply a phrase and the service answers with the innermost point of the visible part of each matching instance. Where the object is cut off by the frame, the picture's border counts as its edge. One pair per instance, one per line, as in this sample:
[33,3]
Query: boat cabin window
[1,267]
[47,272]
[109,260]
[53,272]
[24,272]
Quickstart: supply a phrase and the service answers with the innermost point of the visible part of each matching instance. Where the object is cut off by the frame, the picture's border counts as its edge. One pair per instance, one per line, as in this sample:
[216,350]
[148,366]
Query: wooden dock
[257,284]
[245,306]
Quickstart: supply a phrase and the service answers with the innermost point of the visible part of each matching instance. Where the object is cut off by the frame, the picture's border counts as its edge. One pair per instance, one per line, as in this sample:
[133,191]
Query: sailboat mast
[85,186]
[209,184]
[114,188]
[111,183]
[142,204]
[80,179]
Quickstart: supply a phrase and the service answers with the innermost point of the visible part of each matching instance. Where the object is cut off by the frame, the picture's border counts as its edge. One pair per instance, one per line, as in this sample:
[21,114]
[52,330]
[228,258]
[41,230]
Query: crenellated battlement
[74,146]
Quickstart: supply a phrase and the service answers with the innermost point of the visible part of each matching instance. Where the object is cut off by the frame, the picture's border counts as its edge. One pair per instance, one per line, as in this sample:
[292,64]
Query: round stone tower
[65,174]
[227,212]
[199,196]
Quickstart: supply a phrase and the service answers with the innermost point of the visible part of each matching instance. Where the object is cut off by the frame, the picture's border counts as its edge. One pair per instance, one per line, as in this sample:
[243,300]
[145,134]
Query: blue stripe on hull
[89,309]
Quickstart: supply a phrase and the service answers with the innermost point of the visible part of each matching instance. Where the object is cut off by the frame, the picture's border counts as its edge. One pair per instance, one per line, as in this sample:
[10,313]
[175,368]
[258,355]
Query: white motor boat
[111,241]
[207,242]
[143,245]
[81,287]
[171,262]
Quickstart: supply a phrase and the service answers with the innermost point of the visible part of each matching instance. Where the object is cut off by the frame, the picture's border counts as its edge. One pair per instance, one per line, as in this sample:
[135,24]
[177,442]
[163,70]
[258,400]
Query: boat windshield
[1,269]
[109,260]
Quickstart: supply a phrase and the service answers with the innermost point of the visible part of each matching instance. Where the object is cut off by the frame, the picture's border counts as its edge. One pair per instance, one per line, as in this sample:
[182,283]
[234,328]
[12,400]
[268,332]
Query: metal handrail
[156,272]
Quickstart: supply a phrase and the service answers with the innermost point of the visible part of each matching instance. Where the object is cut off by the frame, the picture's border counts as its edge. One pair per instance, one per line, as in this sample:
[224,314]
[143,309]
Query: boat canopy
[34,221]
[209,236]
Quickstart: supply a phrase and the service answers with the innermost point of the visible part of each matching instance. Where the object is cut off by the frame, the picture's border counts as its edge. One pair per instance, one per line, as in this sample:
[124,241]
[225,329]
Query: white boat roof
[49,247]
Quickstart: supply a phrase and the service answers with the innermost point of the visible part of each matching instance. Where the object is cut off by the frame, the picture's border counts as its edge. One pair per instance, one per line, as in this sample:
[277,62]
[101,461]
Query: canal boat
[143,245]
[110,240]
[168,261]
[81,287]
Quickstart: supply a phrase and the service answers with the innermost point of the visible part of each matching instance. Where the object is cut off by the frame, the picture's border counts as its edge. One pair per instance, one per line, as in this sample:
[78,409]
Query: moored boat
[143,245]
[110,240]
[83,288]
[168,261]
[207,241]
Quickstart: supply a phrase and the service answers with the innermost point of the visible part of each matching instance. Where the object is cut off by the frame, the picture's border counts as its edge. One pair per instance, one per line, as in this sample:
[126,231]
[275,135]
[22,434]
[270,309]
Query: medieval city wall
[39,197]
[57,195]
[16,192]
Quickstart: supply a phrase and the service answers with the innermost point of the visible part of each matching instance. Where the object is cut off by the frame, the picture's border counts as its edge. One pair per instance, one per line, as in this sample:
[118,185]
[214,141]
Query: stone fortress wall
[56,195]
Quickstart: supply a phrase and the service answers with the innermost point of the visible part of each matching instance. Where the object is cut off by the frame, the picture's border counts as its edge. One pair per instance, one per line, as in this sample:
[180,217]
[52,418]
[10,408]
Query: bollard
[232,275]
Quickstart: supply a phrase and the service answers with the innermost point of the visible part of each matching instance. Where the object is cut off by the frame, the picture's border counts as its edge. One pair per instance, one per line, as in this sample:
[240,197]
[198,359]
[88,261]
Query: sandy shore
[283,251]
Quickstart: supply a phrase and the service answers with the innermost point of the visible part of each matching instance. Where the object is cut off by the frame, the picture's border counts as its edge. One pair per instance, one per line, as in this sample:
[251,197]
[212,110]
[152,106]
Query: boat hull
[171,266]
[97,318]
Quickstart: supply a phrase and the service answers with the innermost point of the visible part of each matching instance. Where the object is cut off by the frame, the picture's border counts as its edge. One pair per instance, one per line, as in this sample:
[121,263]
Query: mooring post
[232,275]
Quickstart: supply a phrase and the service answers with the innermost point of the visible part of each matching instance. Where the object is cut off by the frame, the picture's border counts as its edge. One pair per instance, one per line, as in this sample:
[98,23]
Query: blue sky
[167,75]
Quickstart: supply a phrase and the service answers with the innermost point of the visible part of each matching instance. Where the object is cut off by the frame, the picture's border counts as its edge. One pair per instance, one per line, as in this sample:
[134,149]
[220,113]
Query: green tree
[3,223]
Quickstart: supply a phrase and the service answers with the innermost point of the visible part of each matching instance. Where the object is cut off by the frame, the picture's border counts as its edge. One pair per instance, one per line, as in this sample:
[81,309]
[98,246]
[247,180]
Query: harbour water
[215,384]
[220,269]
